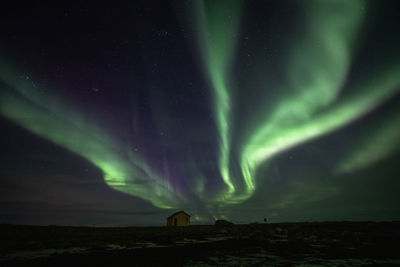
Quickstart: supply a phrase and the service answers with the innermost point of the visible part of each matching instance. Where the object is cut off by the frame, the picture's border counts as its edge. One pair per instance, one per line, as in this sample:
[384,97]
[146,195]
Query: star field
[225,109]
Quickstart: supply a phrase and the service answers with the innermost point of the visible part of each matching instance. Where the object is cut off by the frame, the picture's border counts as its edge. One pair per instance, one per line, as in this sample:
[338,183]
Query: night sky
[238,110]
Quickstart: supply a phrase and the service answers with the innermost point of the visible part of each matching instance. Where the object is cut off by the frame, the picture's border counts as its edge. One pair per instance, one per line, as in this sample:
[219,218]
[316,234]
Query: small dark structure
[179,218]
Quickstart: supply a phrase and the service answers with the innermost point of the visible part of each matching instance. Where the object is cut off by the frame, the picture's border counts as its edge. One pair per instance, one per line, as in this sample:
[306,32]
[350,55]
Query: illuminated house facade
[179,218]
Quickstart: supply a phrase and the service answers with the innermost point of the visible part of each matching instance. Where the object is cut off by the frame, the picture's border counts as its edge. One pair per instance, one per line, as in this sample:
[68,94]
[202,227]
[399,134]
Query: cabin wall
[181,219]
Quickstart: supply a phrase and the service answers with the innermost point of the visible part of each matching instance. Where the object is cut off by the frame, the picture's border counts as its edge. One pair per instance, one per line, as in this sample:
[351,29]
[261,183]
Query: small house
[179,218]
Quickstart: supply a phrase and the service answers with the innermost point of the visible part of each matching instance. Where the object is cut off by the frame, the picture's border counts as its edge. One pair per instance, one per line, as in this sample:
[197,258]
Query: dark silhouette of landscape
[278,244]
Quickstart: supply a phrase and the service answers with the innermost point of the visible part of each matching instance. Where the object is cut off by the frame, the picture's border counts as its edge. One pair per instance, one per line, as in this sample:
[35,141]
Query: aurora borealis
[225,109]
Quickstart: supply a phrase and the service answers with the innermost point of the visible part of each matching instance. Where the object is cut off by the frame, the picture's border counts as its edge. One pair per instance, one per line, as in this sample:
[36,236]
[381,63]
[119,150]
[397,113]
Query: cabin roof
[181,211]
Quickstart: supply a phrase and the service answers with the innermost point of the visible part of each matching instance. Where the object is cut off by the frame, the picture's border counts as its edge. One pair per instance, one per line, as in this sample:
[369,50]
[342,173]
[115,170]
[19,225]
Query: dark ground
[283,244]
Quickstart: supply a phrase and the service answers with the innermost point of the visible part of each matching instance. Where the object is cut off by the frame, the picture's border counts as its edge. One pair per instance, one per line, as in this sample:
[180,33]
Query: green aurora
[318,75]
[317,99]
[48,117]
